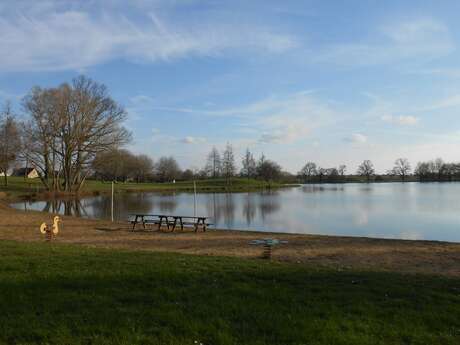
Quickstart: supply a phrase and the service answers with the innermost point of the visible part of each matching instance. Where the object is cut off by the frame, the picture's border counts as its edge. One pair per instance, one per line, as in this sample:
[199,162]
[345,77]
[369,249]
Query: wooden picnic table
[170,220]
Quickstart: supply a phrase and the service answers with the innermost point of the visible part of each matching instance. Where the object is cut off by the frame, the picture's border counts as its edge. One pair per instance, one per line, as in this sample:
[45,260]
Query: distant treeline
[122,165]
[75,131]
[430,171]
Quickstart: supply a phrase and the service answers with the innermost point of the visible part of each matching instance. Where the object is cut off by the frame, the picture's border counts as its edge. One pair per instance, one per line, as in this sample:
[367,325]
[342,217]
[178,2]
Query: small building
[26,172]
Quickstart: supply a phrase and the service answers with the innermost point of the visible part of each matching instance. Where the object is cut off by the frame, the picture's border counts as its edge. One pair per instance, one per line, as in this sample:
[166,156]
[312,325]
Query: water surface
[428,211]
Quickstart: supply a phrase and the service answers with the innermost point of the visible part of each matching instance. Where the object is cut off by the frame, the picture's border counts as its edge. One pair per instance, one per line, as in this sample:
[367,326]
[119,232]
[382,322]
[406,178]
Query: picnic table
[170,221]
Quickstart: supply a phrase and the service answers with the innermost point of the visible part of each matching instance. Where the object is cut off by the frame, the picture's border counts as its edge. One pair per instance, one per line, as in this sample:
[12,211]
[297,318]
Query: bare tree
[228,162]
[320,172]
[402,168]
[143,167]
[188,175]
[450,170]
[10,141]
[113,165]
[268,170]
[438,168]
[167,169]
[308,171]
[249,165]
[342,169]
[366,169]
[213,165]
[68,127]
[122,165]
[38,135]
[332,174]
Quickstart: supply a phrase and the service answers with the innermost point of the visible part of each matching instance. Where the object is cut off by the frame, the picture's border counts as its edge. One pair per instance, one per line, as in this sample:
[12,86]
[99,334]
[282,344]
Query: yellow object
[55,225]
[44,229]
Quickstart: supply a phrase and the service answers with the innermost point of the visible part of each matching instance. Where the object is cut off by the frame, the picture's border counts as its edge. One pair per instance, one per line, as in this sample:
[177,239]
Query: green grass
[19,187]
[208,185]
[58,294]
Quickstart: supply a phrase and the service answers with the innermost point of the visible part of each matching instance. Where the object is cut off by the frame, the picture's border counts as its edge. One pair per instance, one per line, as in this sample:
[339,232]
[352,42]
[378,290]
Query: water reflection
[312,188]
[124,204]
[249,209]
[71,207]
[410,210]
[166,203]
[268,204]
[221,207]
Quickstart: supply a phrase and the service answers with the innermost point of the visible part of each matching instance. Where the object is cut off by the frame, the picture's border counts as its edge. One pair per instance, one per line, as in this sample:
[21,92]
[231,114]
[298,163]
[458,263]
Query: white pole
[194,198]
[111,213]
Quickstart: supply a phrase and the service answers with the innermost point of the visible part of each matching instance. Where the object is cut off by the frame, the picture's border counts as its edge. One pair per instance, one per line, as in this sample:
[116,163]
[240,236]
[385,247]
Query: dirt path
[339,252]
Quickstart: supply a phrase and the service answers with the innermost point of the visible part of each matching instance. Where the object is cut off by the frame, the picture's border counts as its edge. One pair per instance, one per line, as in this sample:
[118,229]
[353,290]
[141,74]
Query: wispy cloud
[276,119]
[421,38]
[193,140]
[58,39]
[356,138]
[403,120]
[447,102]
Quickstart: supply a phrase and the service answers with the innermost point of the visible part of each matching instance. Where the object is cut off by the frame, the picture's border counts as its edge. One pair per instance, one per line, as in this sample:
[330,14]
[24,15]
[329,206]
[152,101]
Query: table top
[165,215]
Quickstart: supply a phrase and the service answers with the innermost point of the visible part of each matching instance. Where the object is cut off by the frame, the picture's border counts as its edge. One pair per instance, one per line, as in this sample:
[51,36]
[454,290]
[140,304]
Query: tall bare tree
[228,162]
[10,141]
[366,168]
[213,164]
[402,168]
[68,127]
[249,165]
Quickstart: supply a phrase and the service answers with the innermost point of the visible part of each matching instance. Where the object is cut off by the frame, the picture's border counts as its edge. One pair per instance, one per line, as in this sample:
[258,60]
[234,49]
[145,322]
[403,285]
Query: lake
[429,211]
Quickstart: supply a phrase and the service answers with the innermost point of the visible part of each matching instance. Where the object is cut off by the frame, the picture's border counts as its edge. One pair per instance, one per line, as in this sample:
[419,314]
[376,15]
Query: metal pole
[194,198]
[111,213]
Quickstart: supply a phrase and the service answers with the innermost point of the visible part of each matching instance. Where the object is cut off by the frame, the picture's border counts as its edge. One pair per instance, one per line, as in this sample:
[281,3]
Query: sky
[334,82]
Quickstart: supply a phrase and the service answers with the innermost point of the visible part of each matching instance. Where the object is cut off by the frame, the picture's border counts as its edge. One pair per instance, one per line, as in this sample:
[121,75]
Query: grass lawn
[18,186]
[62,294]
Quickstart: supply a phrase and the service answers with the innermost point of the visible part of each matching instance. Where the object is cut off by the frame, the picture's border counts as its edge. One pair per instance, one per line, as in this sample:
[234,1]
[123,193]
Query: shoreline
[46,196]
[262,233]
[337,252]
[32,189]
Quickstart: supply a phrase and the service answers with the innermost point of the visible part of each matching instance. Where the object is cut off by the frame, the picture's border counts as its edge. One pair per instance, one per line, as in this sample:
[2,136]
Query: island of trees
[75,132]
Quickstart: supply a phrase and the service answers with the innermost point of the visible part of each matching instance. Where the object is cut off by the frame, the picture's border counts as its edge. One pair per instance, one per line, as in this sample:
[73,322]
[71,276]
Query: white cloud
[58,39]
[403,120]
[356,138]
[276,119]
[422,38]
[193,140]
[288,119]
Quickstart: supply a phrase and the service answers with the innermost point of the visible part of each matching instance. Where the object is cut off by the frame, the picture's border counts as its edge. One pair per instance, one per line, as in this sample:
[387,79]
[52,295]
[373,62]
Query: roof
[22,171]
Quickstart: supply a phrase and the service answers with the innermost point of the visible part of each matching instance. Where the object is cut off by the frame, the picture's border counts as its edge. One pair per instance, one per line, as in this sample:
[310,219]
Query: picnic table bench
[170,221]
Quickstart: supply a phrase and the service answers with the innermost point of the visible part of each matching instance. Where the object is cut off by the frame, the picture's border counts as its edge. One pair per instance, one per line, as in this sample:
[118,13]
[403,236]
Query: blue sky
[334,82]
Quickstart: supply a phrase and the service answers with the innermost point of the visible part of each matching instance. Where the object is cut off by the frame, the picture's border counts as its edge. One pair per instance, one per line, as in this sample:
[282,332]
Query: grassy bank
[61,294]
[19,187]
